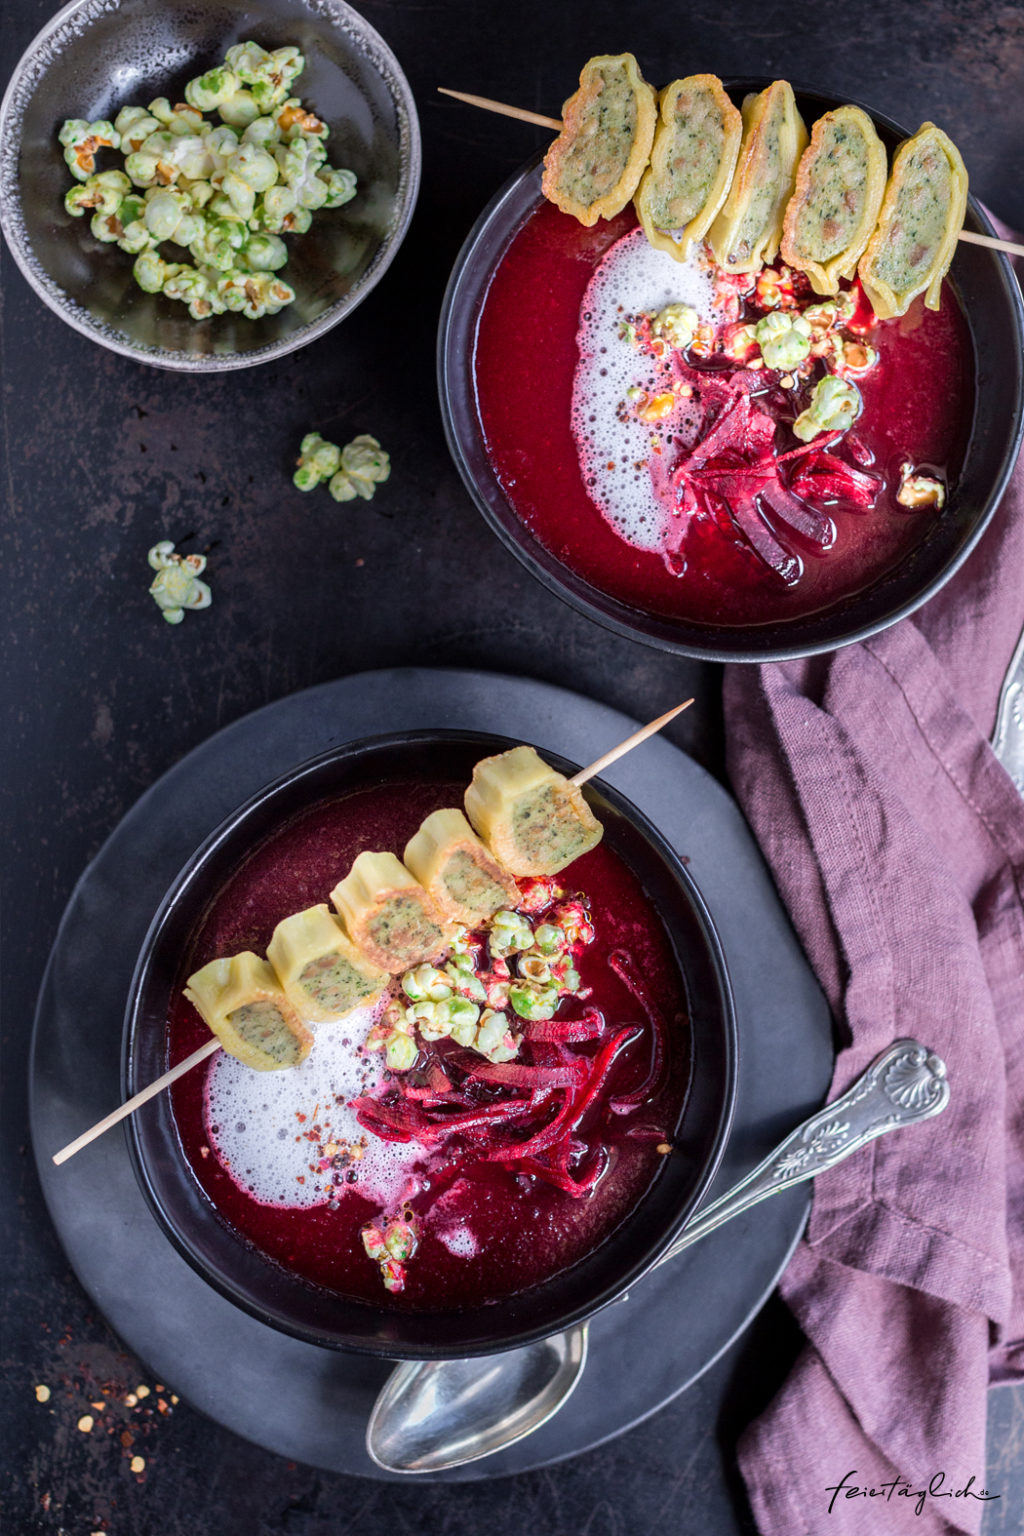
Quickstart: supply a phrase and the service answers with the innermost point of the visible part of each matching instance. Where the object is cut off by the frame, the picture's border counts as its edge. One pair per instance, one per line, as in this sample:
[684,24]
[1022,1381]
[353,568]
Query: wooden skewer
[504,110]
[213,1044]
[628,745]
[993,244]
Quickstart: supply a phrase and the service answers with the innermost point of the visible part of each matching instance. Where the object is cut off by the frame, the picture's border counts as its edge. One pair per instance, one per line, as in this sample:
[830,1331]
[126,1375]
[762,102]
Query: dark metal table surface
[102,457]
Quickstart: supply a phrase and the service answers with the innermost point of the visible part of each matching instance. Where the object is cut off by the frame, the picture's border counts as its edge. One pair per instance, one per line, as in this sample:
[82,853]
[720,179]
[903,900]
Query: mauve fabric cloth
[896,839]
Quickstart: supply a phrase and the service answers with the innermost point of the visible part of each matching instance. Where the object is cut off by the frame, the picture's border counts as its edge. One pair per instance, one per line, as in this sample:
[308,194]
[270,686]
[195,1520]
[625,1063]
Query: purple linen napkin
[897,842]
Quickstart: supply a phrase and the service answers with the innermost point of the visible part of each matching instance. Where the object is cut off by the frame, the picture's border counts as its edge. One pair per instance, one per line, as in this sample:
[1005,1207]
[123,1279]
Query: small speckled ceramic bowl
[95,57]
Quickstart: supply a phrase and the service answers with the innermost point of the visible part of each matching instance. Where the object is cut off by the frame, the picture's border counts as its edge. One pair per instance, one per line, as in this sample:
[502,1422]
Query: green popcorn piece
[494,1037]
[400,1052]
[82,141]
[221,144]
[151,271]
[340,184]
[318,460]
[196,287]
[835,405]
[206,92]
[246,60]
[274,208]
[509,934]
[199,192]
[533,1000]
[784,339]
[168,216]
[176,585]
[423,982]
[254,294]
[254,166]
[263,131]
[265,253]
[549,939]
[299,162]
[218,243]
[364,465]
[241,195]
[294,121]
[239,110]
[181,121]
[134,125]
[677,323]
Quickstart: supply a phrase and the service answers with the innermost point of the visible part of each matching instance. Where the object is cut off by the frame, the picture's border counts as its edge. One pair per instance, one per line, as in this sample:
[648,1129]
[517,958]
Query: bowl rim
[613,613]
[516,1336]
[410,157]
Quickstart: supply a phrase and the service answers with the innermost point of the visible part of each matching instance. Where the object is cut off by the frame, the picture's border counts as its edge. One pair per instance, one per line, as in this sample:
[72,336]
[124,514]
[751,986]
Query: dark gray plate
[312,1404]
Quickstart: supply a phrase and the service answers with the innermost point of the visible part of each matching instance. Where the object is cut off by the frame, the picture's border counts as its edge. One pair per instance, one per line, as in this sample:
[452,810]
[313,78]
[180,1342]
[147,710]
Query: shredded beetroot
[590,1027]
[732,473]
[603,1063]
[516,1074]
[624,968]
[826,477]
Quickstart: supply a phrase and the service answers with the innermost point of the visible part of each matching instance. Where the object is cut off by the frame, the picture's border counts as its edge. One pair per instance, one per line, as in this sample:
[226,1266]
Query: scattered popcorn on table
[355,470]
[176,585]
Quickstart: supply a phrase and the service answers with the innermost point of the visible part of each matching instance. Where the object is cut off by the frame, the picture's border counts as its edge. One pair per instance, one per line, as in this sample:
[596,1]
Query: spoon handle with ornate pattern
[905,1084]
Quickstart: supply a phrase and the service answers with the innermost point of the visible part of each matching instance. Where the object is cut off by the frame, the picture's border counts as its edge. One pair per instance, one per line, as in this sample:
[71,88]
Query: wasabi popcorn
[355,470]
[176,585]
[224,192]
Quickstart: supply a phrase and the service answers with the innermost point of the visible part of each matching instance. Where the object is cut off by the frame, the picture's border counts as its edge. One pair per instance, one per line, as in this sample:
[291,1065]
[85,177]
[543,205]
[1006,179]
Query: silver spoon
[432,1415]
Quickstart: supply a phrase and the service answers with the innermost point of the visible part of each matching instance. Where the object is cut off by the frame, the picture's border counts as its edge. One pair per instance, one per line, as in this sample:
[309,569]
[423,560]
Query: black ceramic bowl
[282,1299]
[96,56]
[991,302]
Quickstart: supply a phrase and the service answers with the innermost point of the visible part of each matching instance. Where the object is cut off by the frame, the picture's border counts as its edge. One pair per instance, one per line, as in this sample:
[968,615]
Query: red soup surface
[725,555]
[591,1098]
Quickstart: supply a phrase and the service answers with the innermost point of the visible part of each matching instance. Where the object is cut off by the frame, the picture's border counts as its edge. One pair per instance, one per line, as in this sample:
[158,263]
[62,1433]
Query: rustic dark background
[103,457]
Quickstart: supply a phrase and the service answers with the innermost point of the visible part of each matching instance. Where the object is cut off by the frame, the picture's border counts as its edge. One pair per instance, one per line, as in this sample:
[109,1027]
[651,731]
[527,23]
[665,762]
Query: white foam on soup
[271,1130]
[459,1241]
[614,445]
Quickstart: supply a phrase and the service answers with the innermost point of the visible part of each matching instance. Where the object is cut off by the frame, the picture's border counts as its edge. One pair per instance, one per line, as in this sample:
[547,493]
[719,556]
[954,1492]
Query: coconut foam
[272,1131]
[614,445]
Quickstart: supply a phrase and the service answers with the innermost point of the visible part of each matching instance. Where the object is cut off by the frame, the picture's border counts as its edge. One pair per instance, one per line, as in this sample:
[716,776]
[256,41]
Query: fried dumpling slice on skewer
[594,166]
[388,914]
[840,183]
[244,1004]
[748,230]
[465,882]
[921,218]
[692,163]
[531,817]
[323,974]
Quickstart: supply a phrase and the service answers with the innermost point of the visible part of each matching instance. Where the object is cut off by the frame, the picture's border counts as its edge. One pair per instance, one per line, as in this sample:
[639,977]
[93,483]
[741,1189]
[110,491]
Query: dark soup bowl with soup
[570,420]
[447,1203]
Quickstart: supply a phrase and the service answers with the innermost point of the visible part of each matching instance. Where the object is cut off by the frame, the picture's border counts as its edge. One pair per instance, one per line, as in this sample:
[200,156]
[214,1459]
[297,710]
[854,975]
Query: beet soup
[505,1174]
[662,466]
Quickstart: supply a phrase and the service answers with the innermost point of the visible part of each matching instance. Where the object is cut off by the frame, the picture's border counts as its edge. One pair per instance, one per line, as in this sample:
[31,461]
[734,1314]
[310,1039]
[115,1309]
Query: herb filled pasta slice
[388,913]
[748,230]
[464,881]
[594,166]
[242,1001]
[840,184]
[323,974]
[921,218]
[531,817]
[692,163]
